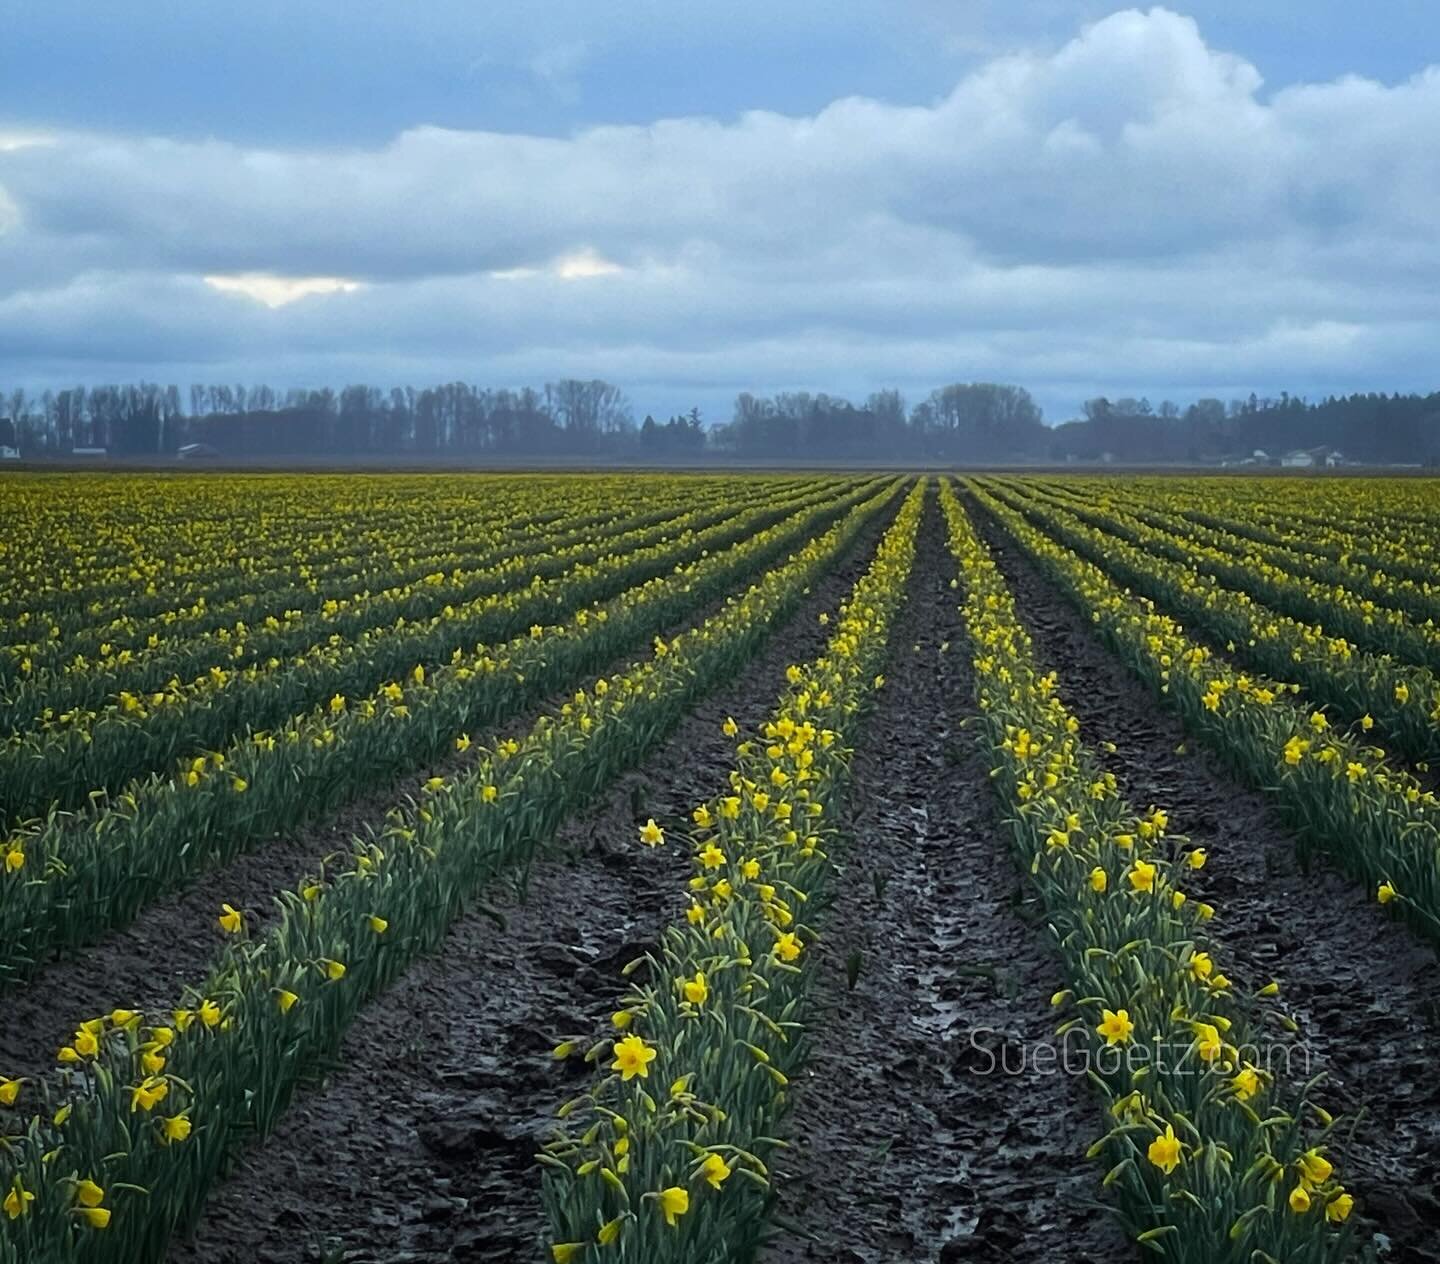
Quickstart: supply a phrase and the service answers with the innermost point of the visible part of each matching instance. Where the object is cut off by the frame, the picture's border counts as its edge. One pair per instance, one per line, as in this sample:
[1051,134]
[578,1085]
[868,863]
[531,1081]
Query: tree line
[961,423]
[1371,429]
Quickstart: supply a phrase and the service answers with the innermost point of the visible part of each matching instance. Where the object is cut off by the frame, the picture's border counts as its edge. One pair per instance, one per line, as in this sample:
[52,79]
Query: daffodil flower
[715,1170]
[1115,1026]
[632,1057]
[674,1203]
[1164,1151]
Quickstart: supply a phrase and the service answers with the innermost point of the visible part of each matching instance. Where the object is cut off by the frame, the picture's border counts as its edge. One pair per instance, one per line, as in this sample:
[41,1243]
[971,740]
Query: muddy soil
[147,964]
[1365,991]
[420,1145]
[923,1130]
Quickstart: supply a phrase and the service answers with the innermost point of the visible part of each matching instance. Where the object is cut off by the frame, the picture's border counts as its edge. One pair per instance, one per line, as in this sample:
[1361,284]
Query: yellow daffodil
[715,1170]
[788,946]
[1207,1042]
[231,920]
[1315,1167]
[1115,1026]
[651,834]
[1246,1083]
[1164,1151]
[89,1194]
[17,1201]
[1142,876]
[148,1093]
[632,1057]
[674,1203]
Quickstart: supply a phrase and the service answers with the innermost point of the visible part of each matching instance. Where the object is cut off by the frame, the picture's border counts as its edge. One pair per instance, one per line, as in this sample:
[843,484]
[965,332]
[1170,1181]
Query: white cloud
[277,291]
[20,138]
[1130,211]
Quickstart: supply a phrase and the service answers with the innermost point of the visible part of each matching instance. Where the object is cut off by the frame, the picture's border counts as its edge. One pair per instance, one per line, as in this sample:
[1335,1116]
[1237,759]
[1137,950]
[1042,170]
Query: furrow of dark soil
[147,964]
[420,1145]
[926,1128]
[1363,989]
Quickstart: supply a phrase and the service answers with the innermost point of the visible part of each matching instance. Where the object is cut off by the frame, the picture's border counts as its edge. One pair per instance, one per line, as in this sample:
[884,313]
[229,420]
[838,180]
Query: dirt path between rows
[1364,990]
[420,1147]
[147,964]
[912,1144]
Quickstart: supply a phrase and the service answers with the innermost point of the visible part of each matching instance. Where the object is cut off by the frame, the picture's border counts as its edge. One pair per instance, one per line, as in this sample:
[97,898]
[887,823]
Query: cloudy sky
[693,199]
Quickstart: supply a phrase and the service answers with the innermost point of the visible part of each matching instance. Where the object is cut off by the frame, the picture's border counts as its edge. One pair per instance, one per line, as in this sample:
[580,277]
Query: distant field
[662,867]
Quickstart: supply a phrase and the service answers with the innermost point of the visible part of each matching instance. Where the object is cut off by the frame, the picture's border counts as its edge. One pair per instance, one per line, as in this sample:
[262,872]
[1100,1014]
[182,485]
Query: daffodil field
[501,866]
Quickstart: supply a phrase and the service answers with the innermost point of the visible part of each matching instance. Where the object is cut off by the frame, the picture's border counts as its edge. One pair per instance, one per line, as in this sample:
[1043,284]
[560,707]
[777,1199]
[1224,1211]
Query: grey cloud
[1130,210]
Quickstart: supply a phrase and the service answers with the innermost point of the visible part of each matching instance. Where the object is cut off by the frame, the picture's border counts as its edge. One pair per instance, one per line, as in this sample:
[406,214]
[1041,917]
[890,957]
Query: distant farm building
[197,452]
[90,454]
[1311,458]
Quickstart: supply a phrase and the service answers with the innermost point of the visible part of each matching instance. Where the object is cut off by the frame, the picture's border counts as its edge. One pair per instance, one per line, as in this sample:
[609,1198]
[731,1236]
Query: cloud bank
[1128,213]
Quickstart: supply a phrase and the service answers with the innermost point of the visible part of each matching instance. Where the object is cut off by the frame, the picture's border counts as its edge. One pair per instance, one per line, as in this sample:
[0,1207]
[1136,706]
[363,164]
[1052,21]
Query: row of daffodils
[68,878]
[666,1157]
[1377,535]
[1400,702]
[86,565]
[1374,523]
[153,1104]
[1212,1158]
[98,639]
[1378,821]
[1367,606]
[150,721]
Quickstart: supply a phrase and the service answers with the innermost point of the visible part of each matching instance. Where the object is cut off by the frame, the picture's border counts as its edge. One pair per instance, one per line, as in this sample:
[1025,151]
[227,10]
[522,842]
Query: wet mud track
[1365,991]
[420,1146]
[923,1130]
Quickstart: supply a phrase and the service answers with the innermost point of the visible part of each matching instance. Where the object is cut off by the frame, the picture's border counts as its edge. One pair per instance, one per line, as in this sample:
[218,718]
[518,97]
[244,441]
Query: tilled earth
[420,1146]
[1364,990]
[928,1127]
